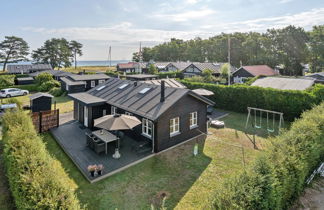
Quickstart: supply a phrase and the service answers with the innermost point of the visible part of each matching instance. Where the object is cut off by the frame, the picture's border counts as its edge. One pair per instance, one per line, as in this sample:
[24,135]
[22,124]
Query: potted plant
[99,169]
[92,169]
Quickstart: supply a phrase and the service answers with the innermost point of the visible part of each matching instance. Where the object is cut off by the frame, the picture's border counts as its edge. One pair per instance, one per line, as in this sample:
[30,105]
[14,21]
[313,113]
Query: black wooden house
[80,83]
[169,115]
[40,102]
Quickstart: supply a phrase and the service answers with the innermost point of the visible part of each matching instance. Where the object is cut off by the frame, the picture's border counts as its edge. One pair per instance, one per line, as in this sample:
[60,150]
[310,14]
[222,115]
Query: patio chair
[100,147]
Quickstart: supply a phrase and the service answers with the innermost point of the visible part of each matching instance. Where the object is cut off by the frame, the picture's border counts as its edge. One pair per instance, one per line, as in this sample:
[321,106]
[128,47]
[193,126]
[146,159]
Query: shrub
[13,101]
[238,97]
[56,91]
[43,77]
[6,81]
[46,86]
[278,175]
[112,73]
[172,74]
[37,181]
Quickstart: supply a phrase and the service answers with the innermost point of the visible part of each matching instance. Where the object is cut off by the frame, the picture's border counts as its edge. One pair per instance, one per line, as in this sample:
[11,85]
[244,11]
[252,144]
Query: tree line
[58,52]
[288,47]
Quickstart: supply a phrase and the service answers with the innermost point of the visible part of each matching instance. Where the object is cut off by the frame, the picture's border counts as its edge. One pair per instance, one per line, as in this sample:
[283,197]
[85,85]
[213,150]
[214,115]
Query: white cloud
[186,16]
[285,1]
[191,1]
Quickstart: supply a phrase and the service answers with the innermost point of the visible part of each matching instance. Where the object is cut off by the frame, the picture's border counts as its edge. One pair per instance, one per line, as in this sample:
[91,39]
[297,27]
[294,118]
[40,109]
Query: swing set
[257,123]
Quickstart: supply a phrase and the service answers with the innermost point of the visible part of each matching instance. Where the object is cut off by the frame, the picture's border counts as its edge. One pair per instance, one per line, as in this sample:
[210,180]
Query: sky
[123,24]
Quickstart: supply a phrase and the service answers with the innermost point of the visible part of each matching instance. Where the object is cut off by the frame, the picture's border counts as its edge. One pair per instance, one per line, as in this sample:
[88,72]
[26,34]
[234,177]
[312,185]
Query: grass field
[63,103]
[188,181]
[89,68]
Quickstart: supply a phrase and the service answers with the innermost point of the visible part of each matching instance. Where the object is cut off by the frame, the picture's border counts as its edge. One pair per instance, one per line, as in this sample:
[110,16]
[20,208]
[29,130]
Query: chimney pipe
[135,84]
[162,90]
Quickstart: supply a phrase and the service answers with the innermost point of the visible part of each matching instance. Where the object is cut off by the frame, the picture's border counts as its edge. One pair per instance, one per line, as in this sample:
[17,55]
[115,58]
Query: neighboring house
[168,83]
[161,66]
[252,71]
[40,102]
[24,80]
[141,77]
[80,83]
[169,115]
[57,74]
[132,67]
[318,76]
[283,83]
[196,69]
[27,68]
[177,66]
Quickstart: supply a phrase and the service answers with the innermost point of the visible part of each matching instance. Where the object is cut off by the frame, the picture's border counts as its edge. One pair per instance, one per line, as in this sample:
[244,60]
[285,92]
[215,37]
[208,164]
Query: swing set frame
[274,113]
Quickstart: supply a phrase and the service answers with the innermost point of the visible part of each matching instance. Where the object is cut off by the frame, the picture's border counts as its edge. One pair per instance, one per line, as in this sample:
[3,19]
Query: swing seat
[256,126]
[270,130]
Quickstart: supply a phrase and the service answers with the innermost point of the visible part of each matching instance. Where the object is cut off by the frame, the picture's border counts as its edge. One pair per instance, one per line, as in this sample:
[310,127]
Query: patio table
[105,136]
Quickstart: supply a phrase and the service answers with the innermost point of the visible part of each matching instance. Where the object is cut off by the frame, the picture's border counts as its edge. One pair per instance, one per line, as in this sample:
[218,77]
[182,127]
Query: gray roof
[27,68]
[180,65]
[141,76]
[87,98]
[161,65]
[25,79]
[38,95]
[58,73]
[284,83]
[146,104]
[168,83]
[68,81]
[84,77]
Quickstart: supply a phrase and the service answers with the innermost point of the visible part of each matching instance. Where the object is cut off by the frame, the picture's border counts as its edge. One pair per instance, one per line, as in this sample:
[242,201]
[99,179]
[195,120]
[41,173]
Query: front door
[85,116]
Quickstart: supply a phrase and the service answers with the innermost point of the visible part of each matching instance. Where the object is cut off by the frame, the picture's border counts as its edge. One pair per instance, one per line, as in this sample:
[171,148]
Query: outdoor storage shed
[25,81]
[40,102]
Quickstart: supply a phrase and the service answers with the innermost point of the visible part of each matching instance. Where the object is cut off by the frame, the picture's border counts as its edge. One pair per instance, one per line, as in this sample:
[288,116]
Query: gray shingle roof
[25,79]
[37,95]
[87,98]
[141,76]
[168,83]
[27,68]
[284,83]
[180,65]
[58,73]
[84,77]
[68,81]
[148,104]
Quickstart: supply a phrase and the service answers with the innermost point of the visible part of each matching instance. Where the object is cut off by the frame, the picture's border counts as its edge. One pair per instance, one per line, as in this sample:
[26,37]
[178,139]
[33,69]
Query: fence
[45,120]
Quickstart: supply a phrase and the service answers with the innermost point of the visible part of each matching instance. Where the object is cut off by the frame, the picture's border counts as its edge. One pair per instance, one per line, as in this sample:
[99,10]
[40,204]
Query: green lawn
[188,181]
[63,103]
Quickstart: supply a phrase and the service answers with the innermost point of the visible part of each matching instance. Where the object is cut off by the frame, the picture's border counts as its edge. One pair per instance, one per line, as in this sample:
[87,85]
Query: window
[104,112]
[174,126]
[193,119]
[93,83]
[100,88]
[147,128]
[122,86]
[113,110]
[128,113]
[144,90]
[101,81]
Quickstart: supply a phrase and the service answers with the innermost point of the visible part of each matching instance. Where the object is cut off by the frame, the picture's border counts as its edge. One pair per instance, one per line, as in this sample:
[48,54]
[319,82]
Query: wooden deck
[71,137]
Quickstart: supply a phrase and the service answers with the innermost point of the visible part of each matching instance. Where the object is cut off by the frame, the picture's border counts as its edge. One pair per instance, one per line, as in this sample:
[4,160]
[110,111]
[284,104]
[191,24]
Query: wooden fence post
[58,117]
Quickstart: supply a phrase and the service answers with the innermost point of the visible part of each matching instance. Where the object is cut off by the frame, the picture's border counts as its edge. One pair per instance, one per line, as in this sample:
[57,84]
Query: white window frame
[193,120]
[128,113]
[147,128]
[113,110]
[101,81]
[104,112]
[174,126]
[92,83]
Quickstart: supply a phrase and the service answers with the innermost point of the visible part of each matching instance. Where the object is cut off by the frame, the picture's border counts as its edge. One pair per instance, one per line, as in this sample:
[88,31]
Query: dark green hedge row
[278,175]
[174,74]
[30,87]
[37,181]
[238,97]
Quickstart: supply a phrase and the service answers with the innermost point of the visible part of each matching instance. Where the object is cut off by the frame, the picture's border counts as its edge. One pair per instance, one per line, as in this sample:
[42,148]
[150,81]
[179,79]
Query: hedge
[238,97]
[174,74]
[36,179]
[278,175]
[6,81]
[30,87]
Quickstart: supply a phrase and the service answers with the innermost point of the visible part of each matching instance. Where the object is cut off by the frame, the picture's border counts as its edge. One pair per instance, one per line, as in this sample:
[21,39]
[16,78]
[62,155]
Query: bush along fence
[238,97]
[278,176]
[37,181]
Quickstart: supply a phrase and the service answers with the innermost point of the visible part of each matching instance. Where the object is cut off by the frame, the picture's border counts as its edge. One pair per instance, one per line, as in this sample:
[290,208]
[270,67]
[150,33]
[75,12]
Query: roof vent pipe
[135,84]
[162,90]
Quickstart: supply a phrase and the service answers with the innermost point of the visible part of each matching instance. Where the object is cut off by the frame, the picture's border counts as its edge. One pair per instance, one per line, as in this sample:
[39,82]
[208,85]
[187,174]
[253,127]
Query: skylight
[123,86]
[144,90]
[100,88]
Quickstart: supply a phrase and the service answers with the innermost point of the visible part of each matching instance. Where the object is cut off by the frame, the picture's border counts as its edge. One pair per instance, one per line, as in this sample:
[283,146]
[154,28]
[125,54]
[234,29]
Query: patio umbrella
[203,92]
[116,122]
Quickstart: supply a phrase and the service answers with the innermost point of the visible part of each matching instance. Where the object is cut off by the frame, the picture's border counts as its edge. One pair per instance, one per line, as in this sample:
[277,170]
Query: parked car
[10,92]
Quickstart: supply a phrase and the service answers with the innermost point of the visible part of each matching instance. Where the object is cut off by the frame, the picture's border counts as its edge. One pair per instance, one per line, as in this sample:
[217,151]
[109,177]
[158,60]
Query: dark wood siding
[41,104]
[180,109]
[242,73]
